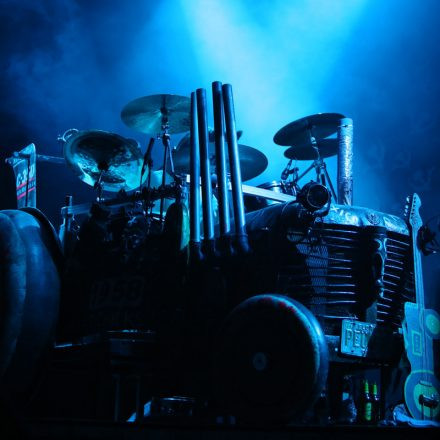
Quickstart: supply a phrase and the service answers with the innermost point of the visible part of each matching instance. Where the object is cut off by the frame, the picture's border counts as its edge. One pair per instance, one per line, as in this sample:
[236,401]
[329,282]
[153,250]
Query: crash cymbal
[327,148]
[297,133]
[89,152]
[149,113]
[252,161]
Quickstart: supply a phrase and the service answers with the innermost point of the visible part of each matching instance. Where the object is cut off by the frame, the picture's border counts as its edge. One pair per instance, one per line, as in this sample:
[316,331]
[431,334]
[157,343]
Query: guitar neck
[418,273]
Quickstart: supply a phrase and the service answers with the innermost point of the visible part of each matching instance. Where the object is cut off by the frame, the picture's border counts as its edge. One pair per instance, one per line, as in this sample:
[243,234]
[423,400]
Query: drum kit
[111,163]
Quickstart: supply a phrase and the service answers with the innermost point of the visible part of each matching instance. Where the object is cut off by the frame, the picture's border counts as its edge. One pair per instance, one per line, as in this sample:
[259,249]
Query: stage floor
[75,430]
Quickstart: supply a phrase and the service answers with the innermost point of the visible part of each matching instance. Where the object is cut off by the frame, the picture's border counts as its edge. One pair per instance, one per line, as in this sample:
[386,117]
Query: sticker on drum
[116,303]
[116,292]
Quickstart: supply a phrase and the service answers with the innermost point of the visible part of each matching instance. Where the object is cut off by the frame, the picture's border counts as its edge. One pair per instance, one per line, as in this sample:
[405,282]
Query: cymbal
[297,133]
[252,161]
[89,152]
[327,148]
[149,113]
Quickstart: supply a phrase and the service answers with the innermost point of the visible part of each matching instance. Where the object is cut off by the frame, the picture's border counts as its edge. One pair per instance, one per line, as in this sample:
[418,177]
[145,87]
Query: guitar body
[422,388]
[420,327]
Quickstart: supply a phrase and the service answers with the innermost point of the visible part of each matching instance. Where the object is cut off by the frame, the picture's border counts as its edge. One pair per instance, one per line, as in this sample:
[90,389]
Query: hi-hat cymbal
[327,148]
[149,113]
[87,153]
[252,161]
[297,133]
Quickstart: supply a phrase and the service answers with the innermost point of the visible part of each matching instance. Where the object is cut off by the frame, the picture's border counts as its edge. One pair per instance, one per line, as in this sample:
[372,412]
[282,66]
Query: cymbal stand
[147,163]
[293,172]
[165,136]
[322,175]
[102,167]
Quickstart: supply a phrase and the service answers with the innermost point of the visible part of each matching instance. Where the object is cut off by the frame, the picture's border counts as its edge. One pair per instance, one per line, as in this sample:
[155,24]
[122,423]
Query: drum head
[271,360]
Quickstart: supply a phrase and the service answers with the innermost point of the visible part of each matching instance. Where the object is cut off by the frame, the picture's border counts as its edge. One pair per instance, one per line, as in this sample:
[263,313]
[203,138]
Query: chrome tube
[208,222]
[345,162]
[194,189]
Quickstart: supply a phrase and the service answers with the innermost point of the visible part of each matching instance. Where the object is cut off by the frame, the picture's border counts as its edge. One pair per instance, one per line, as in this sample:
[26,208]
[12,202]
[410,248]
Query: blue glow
[76,63]
[277,55]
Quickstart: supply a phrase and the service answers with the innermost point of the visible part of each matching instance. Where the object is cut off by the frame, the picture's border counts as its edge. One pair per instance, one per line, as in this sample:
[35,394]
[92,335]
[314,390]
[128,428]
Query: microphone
[147,156]
[286,171]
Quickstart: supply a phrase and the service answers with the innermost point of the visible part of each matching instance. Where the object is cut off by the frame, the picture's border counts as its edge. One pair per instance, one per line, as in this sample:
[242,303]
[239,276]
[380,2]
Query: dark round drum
[253,203]
[30,259]
[270,360]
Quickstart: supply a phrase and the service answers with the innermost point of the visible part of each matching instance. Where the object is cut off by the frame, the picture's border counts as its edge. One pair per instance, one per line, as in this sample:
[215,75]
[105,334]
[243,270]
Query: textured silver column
[345,162]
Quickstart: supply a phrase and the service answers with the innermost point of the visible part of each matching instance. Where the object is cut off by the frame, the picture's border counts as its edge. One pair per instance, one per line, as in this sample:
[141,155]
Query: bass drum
[254,203]
[30,261]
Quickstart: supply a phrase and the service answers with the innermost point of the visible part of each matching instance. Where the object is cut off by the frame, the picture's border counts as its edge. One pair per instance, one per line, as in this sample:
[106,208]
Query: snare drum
[253,203]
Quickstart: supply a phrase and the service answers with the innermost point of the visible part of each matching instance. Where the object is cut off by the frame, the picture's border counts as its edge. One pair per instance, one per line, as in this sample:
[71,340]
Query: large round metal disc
[252,161]
[326,147]
[271,360]
[88,152]
[298,132]
[149,113]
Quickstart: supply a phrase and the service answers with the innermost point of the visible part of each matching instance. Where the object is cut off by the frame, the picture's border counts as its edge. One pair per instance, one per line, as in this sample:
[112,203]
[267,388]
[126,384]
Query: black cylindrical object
[31,258]
[220,156]
[194,194]
[345,162]
[202,117]
[234,166]
[270,361]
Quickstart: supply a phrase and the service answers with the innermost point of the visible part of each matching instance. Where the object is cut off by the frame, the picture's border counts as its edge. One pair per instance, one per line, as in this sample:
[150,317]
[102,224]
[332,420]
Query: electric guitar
[420,327]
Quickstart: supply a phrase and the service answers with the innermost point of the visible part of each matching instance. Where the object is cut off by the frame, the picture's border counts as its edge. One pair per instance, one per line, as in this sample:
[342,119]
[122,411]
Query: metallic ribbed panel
[345,162]
[326,274]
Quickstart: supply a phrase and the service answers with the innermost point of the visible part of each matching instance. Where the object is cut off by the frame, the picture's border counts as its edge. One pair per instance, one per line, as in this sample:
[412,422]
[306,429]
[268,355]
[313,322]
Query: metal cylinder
[202,117]
[345,162]
[220,156]
[234,166]
[194,190]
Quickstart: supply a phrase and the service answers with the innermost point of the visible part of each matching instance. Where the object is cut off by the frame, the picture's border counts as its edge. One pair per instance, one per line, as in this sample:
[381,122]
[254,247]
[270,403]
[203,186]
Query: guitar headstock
[412,211]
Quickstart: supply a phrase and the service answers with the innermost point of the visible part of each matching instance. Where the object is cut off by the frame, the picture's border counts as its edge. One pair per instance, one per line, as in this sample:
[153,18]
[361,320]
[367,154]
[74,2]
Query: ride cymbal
[252,161]
[150,113]
[326,147]
[297,133]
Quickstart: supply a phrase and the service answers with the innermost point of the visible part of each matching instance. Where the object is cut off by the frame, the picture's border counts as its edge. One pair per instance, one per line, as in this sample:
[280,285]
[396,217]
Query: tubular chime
[208,216]
[220,156]
[224,117]
[194,196]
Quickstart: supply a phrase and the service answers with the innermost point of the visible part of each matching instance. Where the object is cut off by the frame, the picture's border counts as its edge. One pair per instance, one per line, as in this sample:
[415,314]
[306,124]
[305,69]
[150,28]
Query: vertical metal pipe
[345,162]
[208,222]
[220,156]
[194,191]
[234,166]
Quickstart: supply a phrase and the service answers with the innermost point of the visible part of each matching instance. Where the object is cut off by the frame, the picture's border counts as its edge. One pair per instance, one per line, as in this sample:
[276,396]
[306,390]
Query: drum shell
[30,309]
[253,203]
[115,278]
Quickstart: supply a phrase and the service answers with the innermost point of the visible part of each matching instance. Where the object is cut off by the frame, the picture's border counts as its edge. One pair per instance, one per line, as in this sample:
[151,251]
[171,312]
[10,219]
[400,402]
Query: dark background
[75,64]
